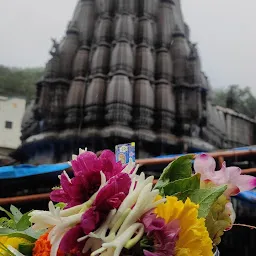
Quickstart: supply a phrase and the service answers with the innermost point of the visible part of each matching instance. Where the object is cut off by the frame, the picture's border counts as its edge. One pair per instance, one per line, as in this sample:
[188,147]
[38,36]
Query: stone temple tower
[125,71]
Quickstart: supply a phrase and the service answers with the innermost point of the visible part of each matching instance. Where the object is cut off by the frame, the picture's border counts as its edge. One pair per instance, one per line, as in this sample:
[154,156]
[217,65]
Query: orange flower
[43,247]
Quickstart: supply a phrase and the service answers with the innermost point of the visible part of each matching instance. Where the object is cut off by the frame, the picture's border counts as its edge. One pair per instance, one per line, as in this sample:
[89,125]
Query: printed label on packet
[125,153]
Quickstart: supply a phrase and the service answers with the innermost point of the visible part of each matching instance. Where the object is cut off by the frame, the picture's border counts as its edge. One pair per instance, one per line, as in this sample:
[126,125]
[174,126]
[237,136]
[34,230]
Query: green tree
[19,82]
[240,99]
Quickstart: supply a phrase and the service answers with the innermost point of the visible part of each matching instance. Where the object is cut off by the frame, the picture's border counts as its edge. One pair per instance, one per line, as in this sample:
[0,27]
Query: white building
[11,112]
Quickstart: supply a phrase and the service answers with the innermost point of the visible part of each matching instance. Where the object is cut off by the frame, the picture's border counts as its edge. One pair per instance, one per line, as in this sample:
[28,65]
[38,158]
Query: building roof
[235,113]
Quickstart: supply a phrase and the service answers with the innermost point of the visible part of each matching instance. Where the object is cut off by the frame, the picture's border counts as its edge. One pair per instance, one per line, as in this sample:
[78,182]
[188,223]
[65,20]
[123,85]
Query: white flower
[133,195]
[144,203]
[120,226]
[58,220]
[117,244]
[54,217]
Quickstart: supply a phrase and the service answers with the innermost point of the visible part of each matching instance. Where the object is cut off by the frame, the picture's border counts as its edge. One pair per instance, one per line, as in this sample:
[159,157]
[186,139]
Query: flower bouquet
[110,209]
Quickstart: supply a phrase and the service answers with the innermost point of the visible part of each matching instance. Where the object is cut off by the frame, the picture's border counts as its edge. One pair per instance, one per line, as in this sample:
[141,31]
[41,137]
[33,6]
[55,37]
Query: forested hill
[19,81]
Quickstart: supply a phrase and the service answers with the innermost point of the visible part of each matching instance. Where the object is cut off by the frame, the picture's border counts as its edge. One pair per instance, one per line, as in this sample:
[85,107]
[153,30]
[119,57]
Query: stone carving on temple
[55,47]
[126,70]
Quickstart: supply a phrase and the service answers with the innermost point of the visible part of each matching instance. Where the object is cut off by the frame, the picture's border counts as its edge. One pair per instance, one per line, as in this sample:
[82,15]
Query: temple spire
[124,71]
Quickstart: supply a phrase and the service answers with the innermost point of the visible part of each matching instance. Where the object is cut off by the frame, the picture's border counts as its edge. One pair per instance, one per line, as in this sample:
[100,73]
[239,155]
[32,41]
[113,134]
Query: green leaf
[4,222]
[146,243]
[34,233]
[7,223]
[6,212]
[29,234]
[22,235]
[180,168]
[16,213]
[187,184]
[13,233]
[218,219]
[206,198]
[24,222]
[26,249]
[183,195]
[60,205]
[6,231]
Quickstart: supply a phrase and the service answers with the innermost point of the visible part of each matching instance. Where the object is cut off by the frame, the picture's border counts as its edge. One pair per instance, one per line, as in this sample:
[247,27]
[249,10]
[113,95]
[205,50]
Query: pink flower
[109,197]
[164,236]
[205,165]
[87,178]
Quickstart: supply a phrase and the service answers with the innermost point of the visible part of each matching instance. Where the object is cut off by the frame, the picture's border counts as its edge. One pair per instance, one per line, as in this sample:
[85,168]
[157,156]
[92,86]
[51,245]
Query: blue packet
[125,152]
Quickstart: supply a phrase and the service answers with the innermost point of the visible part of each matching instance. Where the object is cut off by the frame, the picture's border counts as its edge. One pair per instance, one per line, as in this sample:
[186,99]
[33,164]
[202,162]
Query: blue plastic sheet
[19,171]
[249,196]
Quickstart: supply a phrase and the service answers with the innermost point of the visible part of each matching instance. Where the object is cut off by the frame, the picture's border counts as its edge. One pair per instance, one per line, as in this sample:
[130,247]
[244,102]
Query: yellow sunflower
[194,238]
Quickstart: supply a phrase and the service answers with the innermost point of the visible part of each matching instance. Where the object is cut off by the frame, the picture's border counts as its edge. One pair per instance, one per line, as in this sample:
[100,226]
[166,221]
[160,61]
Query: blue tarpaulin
[25,170]
[249,196]
[20,171]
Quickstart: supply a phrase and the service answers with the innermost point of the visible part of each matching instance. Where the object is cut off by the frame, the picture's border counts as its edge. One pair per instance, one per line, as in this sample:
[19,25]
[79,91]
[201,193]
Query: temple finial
[55,47]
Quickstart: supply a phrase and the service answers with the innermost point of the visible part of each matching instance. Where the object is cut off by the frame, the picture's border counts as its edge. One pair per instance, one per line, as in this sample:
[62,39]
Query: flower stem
[119,222]
[86,206]
[135,240]
[244,225]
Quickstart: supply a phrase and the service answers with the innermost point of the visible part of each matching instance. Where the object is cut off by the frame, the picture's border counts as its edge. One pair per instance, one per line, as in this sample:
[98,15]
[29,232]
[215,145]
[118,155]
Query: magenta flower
[109,197]
[88,162]
[77,190]
[164,236]
[87,178]
[231,176]
[69,241]
[109,166]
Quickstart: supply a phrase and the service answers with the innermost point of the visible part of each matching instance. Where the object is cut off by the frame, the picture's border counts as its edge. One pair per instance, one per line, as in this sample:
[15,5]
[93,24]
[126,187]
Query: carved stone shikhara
[127,71]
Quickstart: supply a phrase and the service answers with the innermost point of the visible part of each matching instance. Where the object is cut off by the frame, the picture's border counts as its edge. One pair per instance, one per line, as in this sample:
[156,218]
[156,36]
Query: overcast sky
[225,31]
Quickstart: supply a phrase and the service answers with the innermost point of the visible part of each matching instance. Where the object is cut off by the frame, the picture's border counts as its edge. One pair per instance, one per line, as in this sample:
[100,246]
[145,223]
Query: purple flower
[87,178]
[164,236]
[109,197]
[152,223]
